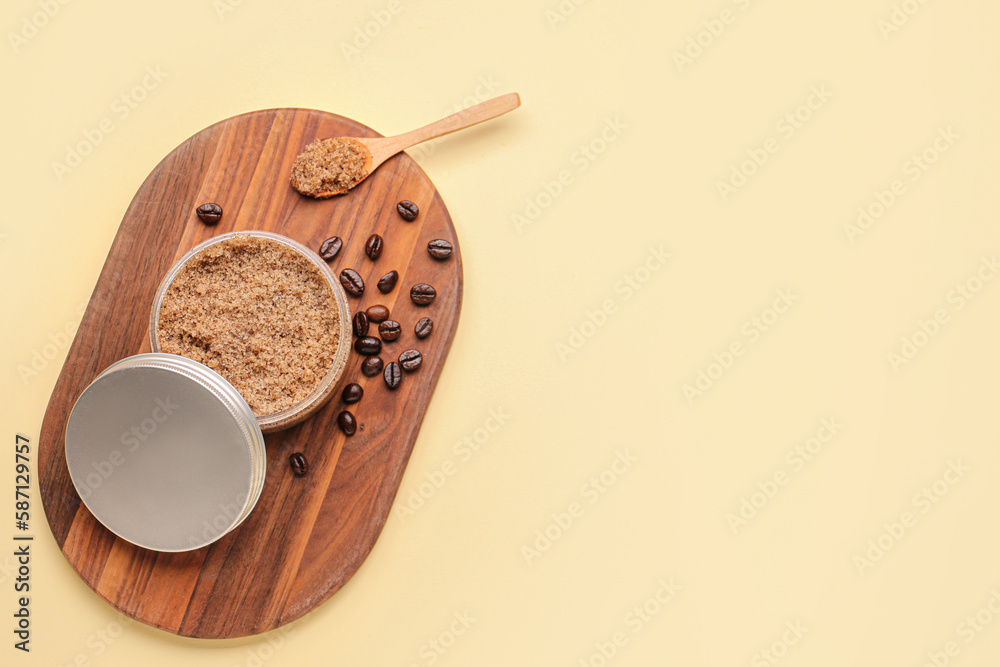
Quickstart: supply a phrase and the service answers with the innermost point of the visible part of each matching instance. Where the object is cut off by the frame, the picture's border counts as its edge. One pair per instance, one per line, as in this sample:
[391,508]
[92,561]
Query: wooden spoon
[377,150]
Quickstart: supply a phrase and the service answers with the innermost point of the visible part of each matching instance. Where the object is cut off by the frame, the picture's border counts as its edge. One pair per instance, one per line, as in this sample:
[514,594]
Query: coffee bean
[424,327]
[298,463]
[352,282]
[368,345]
[360,324]
[407,210]
[373,247]
[330,247]
[347,423]
[422,294]
[371,366]
[389,330]
[410,360]
[392,375]
[377,313]
[352,393]
[387,282]
[439,249]
[209,213]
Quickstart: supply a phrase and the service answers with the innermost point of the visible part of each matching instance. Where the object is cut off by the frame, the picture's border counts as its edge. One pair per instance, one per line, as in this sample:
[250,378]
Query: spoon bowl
[373,151]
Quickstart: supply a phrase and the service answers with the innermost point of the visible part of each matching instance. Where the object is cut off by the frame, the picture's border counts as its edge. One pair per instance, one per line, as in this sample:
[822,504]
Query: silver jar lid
[165,452]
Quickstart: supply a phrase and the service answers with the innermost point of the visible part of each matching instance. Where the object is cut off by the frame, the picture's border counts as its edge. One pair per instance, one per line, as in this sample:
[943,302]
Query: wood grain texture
[307,535]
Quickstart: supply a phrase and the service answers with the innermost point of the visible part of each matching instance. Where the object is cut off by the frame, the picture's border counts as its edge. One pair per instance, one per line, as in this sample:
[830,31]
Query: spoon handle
[457,121]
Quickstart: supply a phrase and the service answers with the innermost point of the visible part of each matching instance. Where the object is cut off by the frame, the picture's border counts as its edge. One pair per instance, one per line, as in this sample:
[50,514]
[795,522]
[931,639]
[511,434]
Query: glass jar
[322,392]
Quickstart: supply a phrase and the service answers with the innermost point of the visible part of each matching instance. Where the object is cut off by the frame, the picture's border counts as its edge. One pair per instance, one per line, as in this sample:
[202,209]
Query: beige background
[585,367]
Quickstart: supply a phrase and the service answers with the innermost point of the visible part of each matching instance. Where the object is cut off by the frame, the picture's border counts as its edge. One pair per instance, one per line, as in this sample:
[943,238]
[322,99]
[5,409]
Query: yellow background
[585,367]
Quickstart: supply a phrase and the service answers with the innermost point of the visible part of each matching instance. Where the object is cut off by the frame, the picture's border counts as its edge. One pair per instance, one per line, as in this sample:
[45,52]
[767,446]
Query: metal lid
[165,452]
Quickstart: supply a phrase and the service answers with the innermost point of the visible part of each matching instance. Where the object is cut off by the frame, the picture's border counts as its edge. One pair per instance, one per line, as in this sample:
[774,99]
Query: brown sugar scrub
[262,312]
[330,166]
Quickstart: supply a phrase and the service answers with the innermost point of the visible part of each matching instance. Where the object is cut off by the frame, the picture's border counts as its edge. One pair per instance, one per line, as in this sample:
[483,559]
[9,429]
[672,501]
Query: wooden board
[307,535]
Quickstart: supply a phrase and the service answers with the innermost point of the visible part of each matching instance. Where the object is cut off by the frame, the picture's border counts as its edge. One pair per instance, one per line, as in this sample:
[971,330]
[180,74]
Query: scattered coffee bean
[389,330]
[352,282]
[371,366]
[392,375]
[422,294]
[368,345]
[352,393]
[407,210]
[209,213]
[298,463]
[348,424]
[387,282]
[439,249]
[330,247]
[424,327]
[373,247]
[410,360]
[360,324]
[377,313]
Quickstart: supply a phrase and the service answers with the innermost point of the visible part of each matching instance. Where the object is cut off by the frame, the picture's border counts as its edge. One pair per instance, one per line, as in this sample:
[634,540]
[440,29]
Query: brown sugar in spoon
[329,167]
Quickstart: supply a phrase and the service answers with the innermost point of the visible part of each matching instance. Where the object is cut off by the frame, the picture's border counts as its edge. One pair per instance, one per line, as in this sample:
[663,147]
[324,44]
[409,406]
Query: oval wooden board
[307,535]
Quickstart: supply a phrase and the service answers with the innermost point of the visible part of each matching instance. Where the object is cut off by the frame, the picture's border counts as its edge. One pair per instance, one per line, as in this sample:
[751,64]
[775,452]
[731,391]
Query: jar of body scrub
[264,312]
